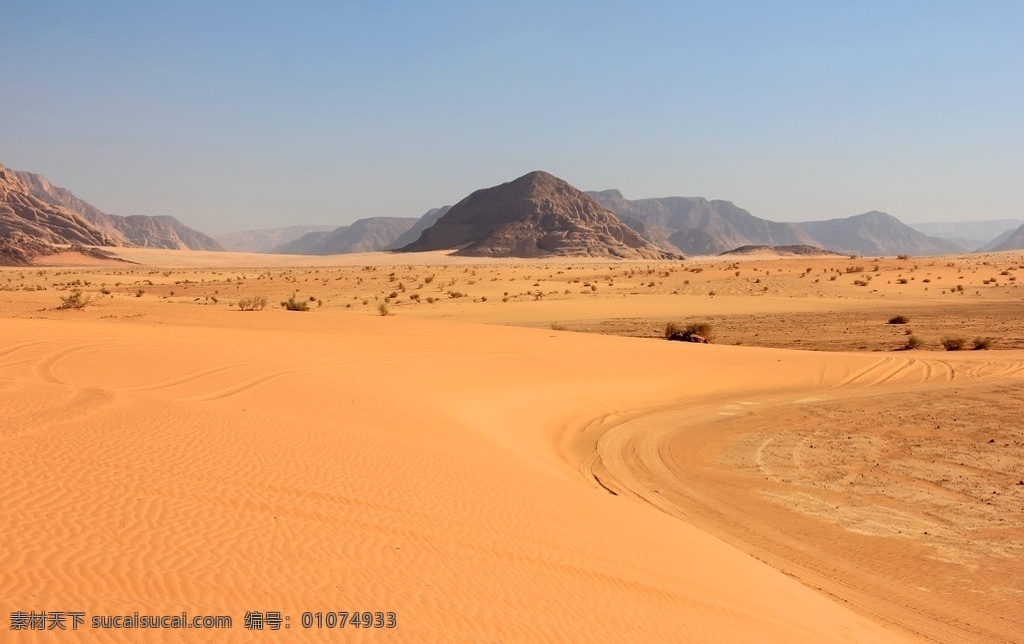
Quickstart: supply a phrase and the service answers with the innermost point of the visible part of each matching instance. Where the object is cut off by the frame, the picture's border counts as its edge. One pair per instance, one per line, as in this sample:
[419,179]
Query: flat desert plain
[513,453]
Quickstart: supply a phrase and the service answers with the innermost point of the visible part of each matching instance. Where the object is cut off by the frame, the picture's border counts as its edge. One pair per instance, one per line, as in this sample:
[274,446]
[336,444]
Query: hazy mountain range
[975,235]
[534,215]
[1012,241]
[361,236]
[265,240]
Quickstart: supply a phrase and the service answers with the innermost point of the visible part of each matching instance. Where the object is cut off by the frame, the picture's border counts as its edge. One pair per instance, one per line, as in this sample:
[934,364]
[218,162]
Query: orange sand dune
[380,464]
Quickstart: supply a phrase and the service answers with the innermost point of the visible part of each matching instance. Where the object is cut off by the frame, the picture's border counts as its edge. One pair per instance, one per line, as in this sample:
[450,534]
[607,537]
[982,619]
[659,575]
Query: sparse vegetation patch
[953,344]
[253,303]
[73,300]
[291,304]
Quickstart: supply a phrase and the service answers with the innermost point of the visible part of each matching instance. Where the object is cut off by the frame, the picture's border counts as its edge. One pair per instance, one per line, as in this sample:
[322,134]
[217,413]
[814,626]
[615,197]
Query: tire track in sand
[662,459]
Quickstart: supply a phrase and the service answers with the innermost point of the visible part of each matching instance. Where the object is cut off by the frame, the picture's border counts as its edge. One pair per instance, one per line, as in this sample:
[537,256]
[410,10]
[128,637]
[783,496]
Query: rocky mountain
[534,216]
[266,239]
[362,236]
[135,230]
[970,234]
[25,218]
[875,233]
[1013,241]
[697,226]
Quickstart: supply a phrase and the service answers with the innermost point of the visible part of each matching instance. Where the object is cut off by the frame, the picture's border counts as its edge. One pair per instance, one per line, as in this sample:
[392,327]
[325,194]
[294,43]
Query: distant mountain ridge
[1014,241]
[427,220]
[265,239]
[535,215]
[135,230]
[697,226]
[362,236]
[976,235]
[875,233]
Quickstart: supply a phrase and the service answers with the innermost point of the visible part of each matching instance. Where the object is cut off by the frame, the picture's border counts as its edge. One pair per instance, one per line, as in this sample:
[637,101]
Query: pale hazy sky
[235,115]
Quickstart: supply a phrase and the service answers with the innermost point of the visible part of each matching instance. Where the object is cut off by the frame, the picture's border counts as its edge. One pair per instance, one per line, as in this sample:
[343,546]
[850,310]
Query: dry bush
[983,344]
[73,300]
[692,332]
[291,304]
[913,342]
[953,344]
[899,319]
[253,303]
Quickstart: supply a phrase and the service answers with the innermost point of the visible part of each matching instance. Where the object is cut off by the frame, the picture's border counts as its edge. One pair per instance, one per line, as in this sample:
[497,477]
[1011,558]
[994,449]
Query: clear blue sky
[234,115]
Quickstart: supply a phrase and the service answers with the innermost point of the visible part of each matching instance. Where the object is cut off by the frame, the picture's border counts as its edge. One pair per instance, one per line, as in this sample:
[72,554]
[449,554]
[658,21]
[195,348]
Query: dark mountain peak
[535,215]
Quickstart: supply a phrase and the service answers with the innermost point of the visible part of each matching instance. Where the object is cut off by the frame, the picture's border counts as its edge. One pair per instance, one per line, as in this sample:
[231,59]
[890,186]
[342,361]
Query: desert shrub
[854,269]
[982,344]
[291,304]
[913,342]
[903,257]
[383,308]
[73,300]
[557,326]
[899,319]
[675,331]
[139,293]
[953,344]
[672,328]
[253,303]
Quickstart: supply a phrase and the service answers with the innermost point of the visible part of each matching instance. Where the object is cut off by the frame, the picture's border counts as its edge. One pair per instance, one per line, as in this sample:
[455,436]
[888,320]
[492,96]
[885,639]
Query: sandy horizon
[520,458]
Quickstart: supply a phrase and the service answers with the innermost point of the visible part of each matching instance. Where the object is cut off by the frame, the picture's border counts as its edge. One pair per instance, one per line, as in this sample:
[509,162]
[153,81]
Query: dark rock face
[536,215]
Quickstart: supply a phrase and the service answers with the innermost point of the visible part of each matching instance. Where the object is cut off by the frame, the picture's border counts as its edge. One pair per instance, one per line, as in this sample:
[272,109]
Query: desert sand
[515,454]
